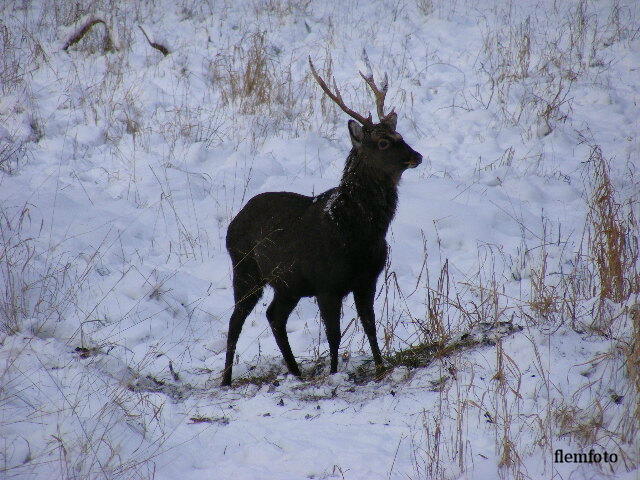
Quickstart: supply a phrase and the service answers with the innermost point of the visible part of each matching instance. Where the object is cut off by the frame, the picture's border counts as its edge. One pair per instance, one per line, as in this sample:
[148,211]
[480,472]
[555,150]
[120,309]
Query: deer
[325,246]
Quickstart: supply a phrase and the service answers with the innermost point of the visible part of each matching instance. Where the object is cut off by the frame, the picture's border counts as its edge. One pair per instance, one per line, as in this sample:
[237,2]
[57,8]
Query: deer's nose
[415,160]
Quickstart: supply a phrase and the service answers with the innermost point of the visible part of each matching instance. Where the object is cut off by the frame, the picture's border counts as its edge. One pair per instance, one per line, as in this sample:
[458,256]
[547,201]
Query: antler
[380,94]
[337,98]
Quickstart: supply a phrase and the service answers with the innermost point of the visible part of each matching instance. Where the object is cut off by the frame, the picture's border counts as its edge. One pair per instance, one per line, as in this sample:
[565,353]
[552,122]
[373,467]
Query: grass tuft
[613,238]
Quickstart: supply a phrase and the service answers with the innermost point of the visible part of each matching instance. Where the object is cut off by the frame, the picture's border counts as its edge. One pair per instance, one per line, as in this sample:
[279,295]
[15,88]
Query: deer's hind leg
[247,290]
[278,313]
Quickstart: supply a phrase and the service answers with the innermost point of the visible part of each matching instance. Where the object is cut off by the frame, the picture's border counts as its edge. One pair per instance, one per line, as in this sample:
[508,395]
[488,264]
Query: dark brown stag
[325,246]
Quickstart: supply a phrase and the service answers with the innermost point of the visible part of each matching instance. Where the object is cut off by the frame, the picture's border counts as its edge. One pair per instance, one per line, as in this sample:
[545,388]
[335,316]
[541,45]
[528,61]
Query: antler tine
[380,94]
[337,98]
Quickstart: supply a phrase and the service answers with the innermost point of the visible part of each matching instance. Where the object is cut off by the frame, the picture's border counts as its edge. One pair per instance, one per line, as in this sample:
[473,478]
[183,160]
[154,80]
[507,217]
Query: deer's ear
[391,120]
[355,131]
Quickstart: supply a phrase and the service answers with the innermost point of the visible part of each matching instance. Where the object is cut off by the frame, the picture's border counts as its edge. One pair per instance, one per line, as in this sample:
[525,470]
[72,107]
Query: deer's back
[265,219]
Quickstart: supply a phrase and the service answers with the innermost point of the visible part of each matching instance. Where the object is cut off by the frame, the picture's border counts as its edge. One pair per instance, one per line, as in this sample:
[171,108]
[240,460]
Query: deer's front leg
[330,306]
[363,297]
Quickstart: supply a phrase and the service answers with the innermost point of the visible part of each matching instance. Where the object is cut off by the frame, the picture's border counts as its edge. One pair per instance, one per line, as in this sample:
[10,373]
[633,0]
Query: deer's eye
[383,144]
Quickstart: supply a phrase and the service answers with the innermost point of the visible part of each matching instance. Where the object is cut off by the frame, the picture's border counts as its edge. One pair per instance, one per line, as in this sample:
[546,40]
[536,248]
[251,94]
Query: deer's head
[379,144]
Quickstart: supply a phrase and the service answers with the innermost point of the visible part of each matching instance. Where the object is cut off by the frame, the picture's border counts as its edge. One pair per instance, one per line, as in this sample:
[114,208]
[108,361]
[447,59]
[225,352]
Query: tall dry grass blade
[613,239]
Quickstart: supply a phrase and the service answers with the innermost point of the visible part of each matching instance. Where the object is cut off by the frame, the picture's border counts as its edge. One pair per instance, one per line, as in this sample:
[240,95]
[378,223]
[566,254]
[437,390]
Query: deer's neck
[366,200]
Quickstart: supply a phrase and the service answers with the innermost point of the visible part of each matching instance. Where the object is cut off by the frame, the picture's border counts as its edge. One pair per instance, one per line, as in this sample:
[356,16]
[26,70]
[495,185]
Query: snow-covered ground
[121,169]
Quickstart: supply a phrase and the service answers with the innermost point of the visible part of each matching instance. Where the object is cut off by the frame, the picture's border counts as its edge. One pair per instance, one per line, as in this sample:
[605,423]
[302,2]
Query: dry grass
[425,7]
[13,155]
[603,266]
[36,287]
[506,407]
[613,237]
[531,68]
[596,295]
[246,75]
[582,425]
[40,290]
[631,427]
[252,78]
[439,448]
[255,90]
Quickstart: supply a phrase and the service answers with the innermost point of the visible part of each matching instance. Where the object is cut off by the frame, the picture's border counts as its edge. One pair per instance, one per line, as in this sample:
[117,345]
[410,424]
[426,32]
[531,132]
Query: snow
[119,173]
[328,207]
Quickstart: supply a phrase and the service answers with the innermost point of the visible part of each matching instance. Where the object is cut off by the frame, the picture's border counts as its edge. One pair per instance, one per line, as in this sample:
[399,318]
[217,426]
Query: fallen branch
[161,48]
[79,35]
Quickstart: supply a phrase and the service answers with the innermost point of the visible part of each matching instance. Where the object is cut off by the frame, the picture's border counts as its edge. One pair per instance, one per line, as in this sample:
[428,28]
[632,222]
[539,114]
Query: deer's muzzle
[415,160]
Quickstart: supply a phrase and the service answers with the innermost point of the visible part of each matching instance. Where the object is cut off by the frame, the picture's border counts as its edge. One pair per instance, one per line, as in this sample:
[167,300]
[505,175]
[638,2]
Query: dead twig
[161,48]
[107,45]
